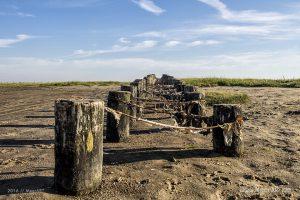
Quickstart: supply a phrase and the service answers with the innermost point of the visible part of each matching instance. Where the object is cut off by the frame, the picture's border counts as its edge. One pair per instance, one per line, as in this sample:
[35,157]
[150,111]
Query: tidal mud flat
[155,163]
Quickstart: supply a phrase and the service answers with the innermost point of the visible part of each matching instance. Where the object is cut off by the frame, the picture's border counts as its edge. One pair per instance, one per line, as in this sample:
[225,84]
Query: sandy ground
[154,163]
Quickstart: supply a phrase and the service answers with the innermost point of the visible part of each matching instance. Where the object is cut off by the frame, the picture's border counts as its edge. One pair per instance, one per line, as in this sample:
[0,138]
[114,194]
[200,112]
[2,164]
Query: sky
[90,40]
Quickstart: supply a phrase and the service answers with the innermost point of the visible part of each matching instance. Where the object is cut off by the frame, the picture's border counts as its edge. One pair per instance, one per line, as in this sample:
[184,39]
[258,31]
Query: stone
[145,181]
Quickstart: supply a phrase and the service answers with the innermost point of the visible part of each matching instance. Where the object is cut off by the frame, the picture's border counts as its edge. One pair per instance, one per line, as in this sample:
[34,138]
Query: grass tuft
[226,98]
[211,82]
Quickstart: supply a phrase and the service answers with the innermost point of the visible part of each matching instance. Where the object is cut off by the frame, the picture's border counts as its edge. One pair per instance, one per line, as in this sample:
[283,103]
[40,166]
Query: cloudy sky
[59,40]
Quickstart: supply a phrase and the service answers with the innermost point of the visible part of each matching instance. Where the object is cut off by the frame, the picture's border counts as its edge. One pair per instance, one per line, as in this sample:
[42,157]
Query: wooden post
[150,80]
[193,96]
[194,107]
[137,84]
[179,87]
[140,84]
[78,145]
[229,141]
[166,80]
[118,129]
[133,90]
[189,88]
[144,86]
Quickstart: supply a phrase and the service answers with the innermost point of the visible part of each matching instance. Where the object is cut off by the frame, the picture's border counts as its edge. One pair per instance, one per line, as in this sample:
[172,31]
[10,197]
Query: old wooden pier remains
[79,126]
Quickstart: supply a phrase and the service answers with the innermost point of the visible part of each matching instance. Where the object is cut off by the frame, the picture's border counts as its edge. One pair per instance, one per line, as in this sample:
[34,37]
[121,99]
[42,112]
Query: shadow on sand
[122,156]
[26,126]
[27,185]
[148,131]
[40,116]
[20,143]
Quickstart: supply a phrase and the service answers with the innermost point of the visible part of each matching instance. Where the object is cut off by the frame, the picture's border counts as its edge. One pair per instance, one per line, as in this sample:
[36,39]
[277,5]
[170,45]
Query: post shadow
[26,126]
[20,143]
[40,116]
[27,185]
[148,131]
[123,156]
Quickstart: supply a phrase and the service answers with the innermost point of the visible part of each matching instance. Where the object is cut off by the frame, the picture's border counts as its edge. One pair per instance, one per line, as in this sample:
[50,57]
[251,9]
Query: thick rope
[186,129]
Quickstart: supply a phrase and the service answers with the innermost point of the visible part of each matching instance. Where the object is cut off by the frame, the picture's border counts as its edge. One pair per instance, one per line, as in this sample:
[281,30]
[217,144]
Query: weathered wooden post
[118,129]
[137,84]
[228,141]
[144,87]
[133,90]
[166,80]
[78,145]
[189,88]
[194,106]
[193,96]
[150,81]
[141,87]
[179,85]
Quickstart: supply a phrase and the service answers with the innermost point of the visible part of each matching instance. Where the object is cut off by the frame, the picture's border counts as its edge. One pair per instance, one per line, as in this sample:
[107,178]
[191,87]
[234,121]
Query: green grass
[210,82]
[60,84]
[225,97]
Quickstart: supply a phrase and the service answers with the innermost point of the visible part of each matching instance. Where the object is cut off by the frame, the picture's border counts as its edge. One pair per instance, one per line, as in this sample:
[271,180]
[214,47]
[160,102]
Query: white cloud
[151,34]
[221,7]
[172,43]
[203,42]
[21,14]
[18,14]
[232,30]
[149,6]
[124,40]
[144,45]
[9,42]
[275,64]
[223,31]
[247,15]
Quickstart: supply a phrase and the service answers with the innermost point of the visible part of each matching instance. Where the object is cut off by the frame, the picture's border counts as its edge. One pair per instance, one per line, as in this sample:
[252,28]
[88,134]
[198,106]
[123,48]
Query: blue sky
[60,40]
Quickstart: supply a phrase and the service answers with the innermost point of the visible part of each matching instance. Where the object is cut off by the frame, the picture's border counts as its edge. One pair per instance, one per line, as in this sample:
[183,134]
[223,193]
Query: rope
[186,129]
[157,101]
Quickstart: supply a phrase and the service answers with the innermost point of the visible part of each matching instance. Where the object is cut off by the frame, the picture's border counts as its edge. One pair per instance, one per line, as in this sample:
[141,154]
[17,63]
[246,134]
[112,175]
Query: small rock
[249,177]
[232,198]
[221,178]
[173,159]
[117,180]
[175,182]
[277,181]
[144,181]
[169,185]
[254,165]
